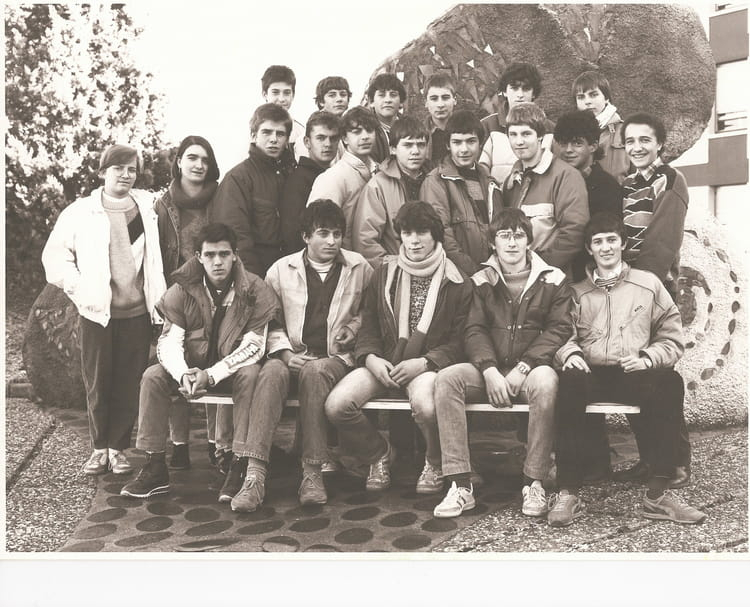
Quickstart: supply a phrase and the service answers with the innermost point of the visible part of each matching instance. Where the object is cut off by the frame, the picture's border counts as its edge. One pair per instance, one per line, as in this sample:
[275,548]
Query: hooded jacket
[466,241]
[76,256]
[500,332]
[187,310]
[443,342]
[635,317]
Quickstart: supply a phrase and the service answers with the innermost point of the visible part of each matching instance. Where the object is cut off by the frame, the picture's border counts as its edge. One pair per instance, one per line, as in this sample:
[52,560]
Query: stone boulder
[656,57]
[51,354]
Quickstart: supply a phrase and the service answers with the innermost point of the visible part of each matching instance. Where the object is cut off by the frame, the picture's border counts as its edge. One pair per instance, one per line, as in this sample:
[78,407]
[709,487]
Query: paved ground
[190,519]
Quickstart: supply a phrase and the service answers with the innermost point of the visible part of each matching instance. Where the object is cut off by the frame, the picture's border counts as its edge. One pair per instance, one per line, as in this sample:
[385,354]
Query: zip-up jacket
[443,342]
[247,200]
[188,312]
[500,332]
[556,202]
[635,317]
[467,243]
[288,279]
[379,202]
[76,256]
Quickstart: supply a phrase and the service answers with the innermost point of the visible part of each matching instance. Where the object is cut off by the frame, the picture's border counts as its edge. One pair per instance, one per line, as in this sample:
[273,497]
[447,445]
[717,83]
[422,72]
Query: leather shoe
[637,472]
[681,478]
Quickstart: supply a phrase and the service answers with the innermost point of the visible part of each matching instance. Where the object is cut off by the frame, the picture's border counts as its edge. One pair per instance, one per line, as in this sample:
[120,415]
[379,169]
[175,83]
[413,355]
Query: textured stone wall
[656,57]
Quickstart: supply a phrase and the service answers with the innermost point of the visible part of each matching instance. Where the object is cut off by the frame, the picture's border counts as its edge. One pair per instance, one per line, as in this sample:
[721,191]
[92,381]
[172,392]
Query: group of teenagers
[367,254]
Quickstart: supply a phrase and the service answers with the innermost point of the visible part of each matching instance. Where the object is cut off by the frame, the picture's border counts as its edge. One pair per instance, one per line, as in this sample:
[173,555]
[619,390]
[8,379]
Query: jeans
[659,393]
[315,381]
[258,402]
[462,383]
[357,436]
[216,416]
[113,359]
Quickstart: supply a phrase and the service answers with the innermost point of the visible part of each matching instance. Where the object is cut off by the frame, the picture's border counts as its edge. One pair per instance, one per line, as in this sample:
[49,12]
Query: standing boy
[463,193]
[247,199]
[215,323]
[549,191]
[322,137]
[440,101]
[278,86]
[104,253]
[320,289]
[344,180]
[592,93]
[519,318]
[386,96]
[397,182]
[627,339]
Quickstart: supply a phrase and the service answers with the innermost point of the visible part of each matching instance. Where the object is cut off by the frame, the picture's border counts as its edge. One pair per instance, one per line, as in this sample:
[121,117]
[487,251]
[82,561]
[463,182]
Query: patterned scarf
[605,115]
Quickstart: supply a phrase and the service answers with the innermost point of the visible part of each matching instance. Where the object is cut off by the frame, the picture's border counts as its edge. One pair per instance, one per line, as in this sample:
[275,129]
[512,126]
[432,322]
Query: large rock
[51,354]
[656,57]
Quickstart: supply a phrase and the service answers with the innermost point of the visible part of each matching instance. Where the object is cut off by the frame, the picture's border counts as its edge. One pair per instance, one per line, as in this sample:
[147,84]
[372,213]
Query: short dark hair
[325,119]
[212,174]
[120,154]
[440,80]
[330,83]
[530,114]
[420,217]
[273,113]
[278,73]
[592,80]
[648,119]
[580,123]
[510,219]
[322,213]
[386,82]
[524,73]
[464,121]
[215,232]
[601,223]
[407,126]
[359,116]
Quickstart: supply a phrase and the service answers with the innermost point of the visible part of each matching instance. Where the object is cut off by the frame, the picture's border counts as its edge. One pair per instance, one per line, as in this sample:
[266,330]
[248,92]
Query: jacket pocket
[543,223]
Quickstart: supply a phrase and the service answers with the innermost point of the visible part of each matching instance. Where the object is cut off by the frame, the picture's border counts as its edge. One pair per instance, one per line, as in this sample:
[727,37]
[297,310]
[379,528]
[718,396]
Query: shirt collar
[649,171]
[613,274]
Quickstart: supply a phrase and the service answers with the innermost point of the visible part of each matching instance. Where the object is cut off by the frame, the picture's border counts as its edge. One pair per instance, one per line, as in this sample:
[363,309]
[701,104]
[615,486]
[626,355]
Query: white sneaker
[118,463]
[457,500]
[534,500]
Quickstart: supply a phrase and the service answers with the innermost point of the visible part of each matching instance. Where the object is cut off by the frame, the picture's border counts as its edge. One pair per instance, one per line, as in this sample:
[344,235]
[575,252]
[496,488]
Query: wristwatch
[211,380]
[523,367]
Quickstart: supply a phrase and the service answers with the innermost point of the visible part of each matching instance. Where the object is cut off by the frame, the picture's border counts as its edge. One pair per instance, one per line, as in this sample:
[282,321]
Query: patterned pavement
[190,519]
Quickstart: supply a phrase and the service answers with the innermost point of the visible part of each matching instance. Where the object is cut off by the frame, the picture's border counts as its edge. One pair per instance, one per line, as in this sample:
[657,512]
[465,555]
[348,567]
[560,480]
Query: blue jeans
[357,436]
[217,416]
[462,383]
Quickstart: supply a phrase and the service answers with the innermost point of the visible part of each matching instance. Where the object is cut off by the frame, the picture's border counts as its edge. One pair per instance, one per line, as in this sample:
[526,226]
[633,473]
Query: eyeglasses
[507,235]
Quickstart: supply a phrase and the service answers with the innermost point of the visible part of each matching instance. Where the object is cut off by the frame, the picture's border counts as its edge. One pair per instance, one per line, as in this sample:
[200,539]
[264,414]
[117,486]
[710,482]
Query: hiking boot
[233,481]
[224,461]
[534,500]
[251,495]
[330,467]
[680,479]
[431,480]
[457,500]
[211,447]
[312,490]
[151,480]
[118,463]
[98,463]
[180,459]
[564,508]
[379,477]
[669,508]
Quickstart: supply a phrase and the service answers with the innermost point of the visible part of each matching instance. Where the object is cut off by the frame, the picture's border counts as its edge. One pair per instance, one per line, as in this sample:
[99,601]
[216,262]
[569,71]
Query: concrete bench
[392,404]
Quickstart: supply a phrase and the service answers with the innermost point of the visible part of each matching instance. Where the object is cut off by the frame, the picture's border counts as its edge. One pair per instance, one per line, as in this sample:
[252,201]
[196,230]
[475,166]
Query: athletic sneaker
[457,500]
[564,508]
[330,466]
[151,480]
[118,463]
[251,495]
[431,480]
[668,507]
[534,500]
[98,463]
[312,490]
[379,477]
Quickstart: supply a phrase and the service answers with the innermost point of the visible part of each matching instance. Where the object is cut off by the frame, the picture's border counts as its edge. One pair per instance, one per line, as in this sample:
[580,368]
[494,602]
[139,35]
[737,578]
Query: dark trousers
[660,394]
[113,359]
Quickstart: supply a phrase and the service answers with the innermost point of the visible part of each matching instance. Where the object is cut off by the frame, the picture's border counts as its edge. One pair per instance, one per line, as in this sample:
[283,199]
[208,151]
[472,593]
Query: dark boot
[234,480]
[151,480]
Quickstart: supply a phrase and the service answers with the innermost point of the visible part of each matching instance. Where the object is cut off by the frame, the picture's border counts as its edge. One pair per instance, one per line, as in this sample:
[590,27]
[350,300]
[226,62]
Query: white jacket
[76,256]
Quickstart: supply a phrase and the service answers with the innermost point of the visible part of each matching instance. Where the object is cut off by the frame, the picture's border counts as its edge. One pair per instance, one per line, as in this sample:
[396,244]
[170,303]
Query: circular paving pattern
[310,525]
[201,515]
[209,528]
[400,519]
[155,523]
[105,516]
[411,542]
[142,540]
[361,514]
[280,543]
[164,509]
[261,528]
